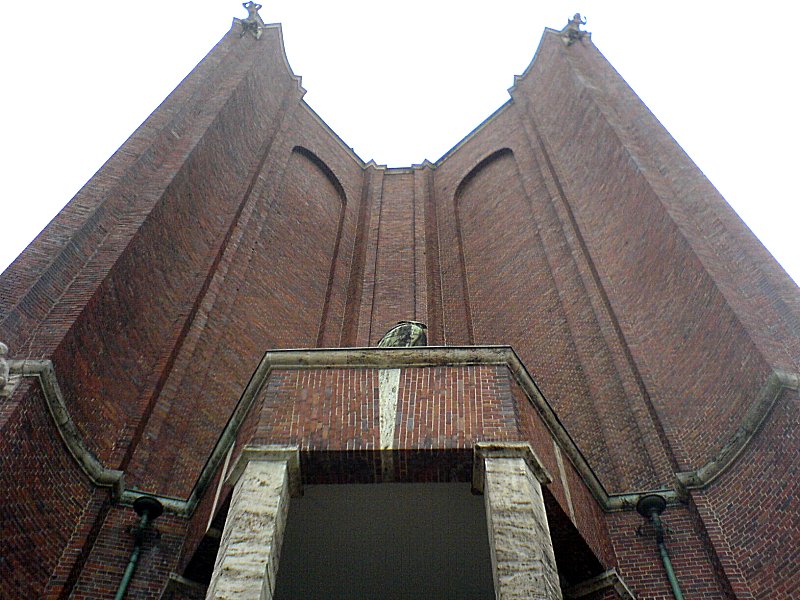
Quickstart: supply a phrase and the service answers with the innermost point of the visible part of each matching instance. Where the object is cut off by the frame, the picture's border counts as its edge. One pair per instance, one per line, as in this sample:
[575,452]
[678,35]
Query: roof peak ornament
[253,24]
[572,30]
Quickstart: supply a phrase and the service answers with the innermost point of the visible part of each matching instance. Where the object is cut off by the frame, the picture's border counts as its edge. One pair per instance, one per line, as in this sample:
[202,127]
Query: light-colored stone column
[523,564]
[247,561]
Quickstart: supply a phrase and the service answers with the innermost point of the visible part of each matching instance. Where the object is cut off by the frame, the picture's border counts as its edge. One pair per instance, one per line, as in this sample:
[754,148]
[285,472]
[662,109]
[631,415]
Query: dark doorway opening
[393,540]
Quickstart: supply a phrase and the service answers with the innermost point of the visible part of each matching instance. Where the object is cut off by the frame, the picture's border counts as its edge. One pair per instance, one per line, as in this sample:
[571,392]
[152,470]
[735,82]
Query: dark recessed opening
[394,540]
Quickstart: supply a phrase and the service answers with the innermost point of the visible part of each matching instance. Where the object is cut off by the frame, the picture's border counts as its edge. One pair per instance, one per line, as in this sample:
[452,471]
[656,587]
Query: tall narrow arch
[478,168]
[320,164]
[462,186]
[326,171]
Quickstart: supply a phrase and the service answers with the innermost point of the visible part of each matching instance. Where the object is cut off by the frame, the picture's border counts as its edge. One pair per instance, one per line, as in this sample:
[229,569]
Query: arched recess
[462,186]
[511,294]
[334,181]
[479,167]
[318,162]
[514,297]
[275,296]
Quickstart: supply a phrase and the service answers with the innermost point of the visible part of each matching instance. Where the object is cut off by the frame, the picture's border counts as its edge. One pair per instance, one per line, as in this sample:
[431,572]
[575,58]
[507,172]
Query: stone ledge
[776,383]
[98,473]
[400,358]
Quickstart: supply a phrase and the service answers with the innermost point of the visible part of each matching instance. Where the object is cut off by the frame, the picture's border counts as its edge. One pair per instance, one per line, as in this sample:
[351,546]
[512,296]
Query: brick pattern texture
[570,226]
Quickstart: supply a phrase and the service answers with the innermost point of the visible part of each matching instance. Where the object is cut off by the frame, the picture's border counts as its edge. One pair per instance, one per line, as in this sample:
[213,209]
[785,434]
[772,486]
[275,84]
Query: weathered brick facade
[656,344]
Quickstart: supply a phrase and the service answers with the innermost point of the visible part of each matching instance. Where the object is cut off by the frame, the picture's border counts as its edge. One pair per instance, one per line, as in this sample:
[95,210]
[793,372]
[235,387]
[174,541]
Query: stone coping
[429,356]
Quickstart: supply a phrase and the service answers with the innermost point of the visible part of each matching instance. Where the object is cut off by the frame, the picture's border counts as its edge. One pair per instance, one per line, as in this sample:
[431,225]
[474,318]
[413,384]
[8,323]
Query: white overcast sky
[401,82]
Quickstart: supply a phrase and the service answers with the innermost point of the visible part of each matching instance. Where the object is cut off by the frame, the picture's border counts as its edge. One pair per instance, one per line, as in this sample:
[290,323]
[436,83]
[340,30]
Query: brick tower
[197,332]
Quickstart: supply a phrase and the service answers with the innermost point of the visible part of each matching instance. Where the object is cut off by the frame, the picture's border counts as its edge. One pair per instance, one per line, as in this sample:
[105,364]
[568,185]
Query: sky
[401,82]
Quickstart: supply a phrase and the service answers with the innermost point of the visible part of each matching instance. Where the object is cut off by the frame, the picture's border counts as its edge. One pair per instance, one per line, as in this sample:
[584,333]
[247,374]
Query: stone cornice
[101,476]
[43,371]
[776,383]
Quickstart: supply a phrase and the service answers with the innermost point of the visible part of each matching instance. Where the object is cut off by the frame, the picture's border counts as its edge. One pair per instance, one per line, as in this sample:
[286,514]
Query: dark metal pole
[651,507]
[149,509]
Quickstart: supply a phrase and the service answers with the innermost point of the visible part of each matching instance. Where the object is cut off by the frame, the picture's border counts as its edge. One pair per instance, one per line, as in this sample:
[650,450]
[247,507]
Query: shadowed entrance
[400,540]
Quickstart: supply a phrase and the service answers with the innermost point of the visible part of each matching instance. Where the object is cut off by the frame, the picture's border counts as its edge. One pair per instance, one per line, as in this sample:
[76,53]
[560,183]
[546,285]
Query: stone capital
[259,453]
[491,450]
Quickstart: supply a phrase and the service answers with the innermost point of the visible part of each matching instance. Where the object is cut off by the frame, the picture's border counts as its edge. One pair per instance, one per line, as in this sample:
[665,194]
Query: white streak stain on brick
[388,385]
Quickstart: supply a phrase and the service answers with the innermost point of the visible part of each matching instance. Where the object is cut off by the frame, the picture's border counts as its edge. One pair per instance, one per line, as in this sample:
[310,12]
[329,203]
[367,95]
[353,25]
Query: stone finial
[572,30]
[253,24]
[404,335]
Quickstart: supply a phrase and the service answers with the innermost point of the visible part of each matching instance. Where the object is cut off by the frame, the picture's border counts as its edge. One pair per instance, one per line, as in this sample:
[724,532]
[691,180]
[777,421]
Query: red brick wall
[268,302]
[331,410]
[394,277]
[235,221]
[678,303]
[156,233]
[526,281]
[43,496]
[513,298]
[640,564]
[75,554]
[581,507]
[754,285]
[394,274]
[32,287]
[752,513]
[101,576]
[166,217]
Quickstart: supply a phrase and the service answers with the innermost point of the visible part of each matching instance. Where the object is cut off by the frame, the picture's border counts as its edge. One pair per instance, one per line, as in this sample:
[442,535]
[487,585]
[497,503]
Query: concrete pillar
[523,564]
[247,561]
